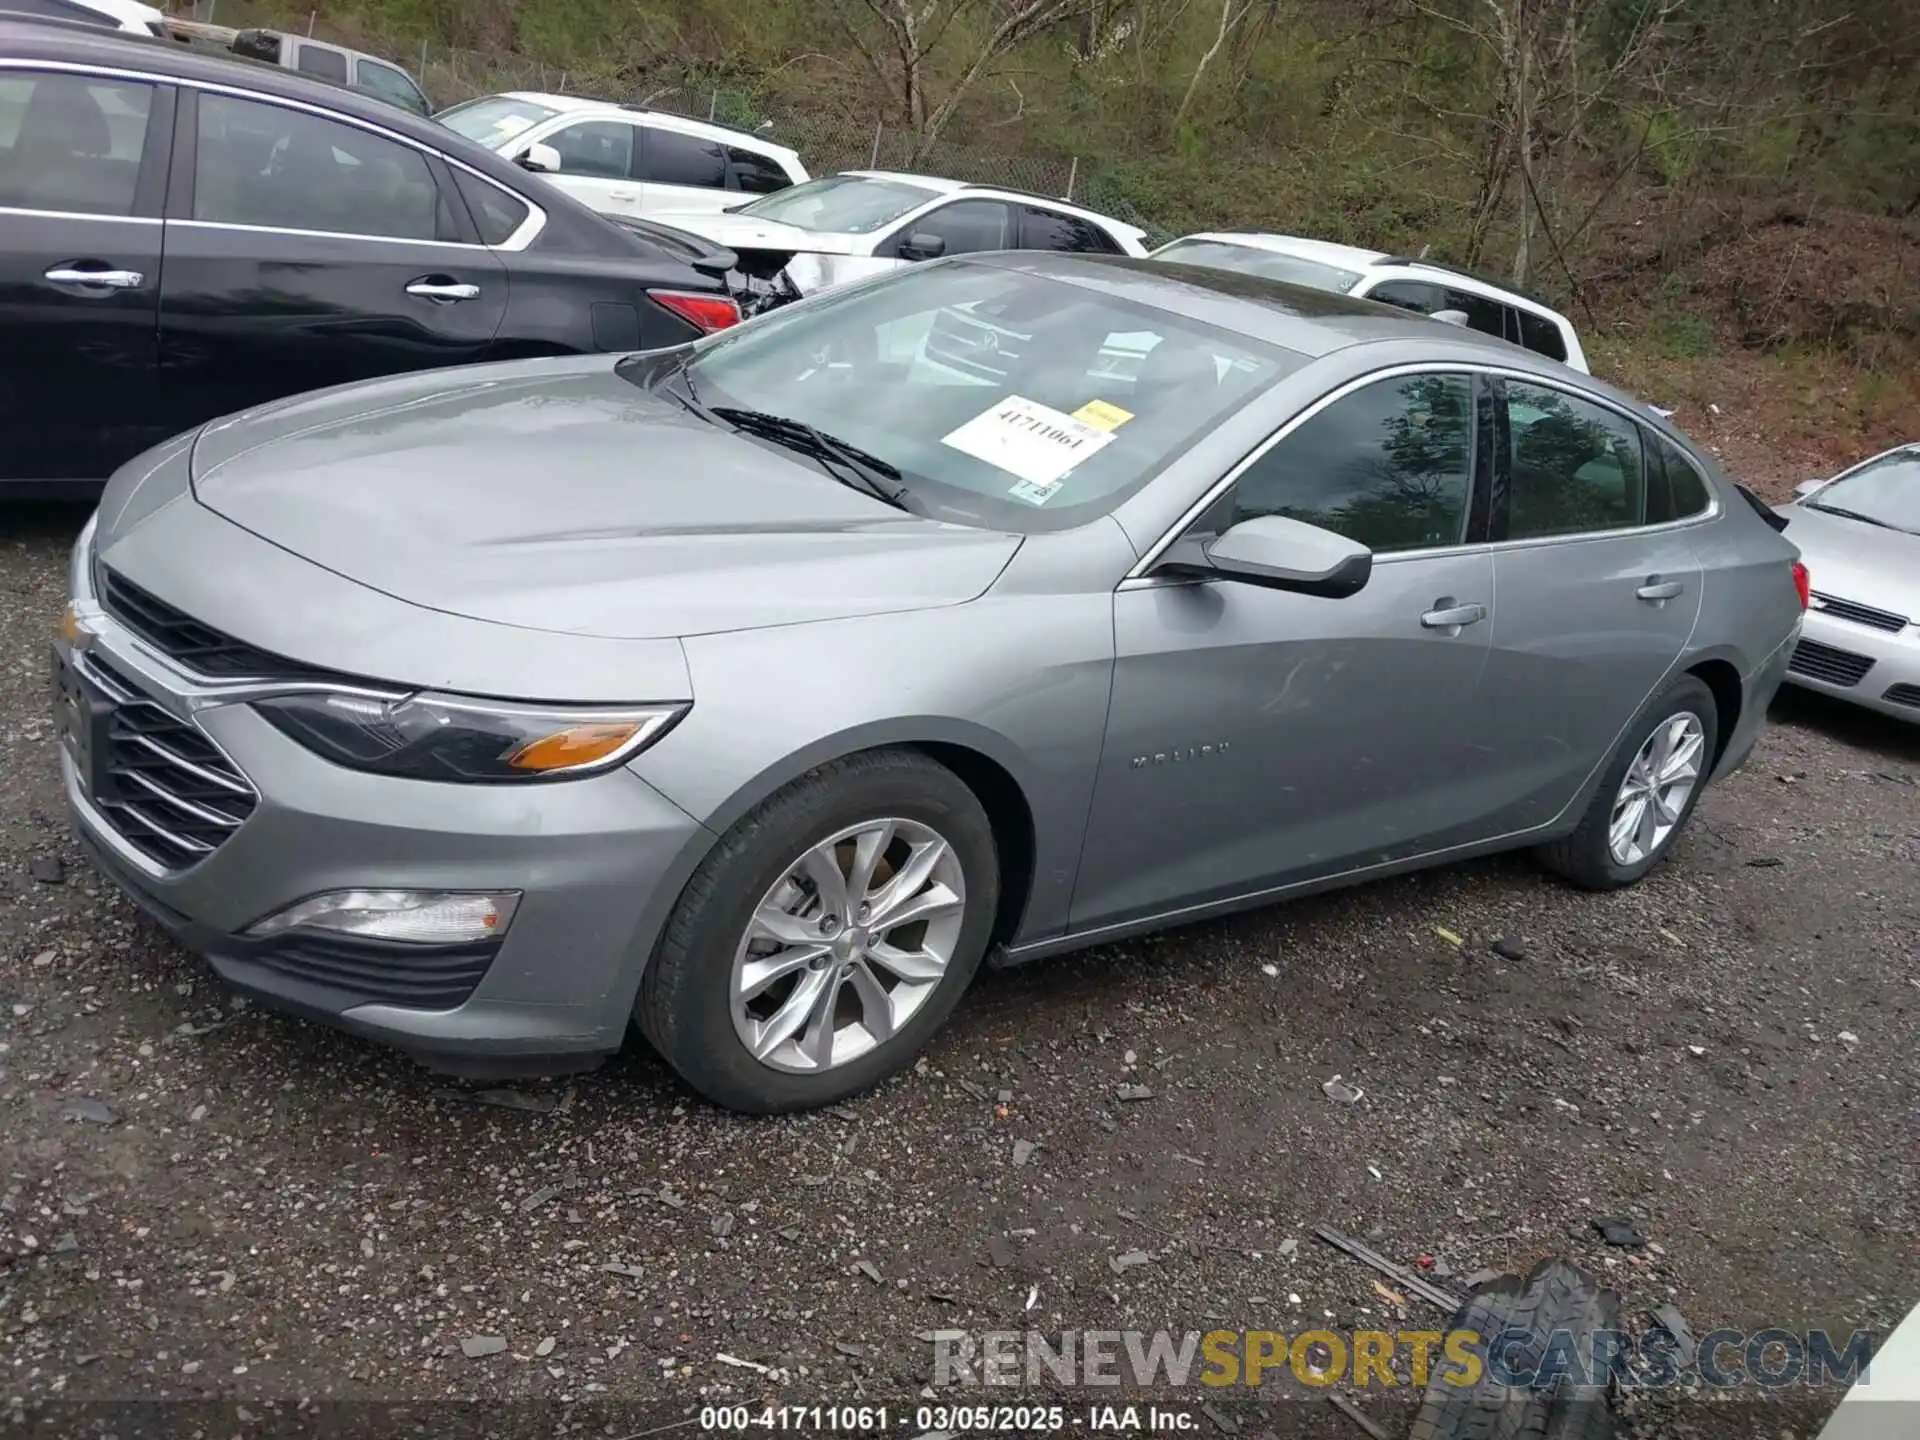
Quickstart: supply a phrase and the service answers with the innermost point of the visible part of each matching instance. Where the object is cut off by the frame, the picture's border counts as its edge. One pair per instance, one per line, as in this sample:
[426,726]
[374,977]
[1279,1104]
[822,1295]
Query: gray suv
[759,688]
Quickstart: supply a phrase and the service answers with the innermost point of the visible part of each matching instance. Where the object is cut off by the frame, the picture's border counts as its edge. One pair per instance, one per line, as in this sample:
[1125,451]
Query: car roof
[123,9]
[943,186]
[1294,317]
[665,119]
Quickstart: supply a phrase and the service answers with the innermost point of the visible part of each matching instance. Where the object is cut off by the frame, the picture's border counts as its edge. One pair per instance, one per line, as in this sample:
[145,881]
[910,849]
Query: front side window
[671,158]
[595,149]
[391,85]
[263,165]
[1390,465]
[1042,229]
[1573,468]
[1414,295]
[71,143]
[1050,435]
[755,173]
[322,63]
[840,204]
[493,120]
[967,226]
[496,213]
[1884,492]
[1251,260]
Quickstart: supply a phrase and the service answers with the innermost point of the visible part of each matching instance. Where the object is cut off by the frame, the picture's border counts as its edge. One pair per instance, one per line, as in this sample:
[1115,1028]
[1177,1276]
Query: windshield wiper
[857,469]
[1856,515]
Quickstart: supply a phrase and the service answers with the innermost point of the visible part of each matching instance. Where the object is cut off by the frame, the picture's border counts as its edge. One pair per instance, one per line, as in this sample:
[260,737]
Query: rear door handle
[106,279]
[1447,615]
[1657,590]
[443,291]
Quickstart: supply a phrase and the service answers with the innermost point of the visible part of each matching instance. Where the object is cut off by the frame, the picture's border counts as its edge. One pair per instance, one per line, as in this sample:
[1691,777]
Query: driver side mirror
[921,246]
[540,159]
[1807,487]
[1284,554]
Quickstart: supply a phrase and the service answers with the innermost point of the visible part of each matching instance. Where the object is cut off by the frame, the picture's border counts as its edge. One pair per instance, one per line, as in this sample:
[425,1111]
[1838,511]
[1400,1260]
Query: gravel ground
[205,1201]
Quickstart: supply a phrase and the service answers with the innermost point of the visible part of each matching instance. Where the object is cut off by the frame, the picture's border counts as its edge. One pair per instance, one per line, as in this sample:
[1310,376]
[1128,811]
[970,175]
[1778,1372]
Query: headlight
[441,737]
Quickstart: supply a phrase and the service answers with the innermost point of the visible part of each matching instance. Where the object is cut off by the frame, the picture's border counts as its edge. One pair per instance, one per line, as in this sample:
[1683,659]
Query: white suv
[1426,286]
[862,222]
[623,161]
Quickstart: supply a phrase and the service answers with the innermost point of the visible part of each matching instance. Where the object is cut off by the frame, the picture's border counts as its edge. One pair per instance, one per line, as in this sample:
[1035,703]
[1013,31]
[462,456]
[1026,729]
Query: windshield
[1885,491]
[1268,264]
[840,204]
[1004,400]
[495,120]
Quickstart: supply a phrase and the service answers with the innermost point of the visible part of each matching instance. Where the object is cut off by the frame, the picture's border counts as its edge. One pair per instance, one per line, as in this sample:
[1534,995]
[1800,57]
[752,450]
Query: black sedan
[184,235]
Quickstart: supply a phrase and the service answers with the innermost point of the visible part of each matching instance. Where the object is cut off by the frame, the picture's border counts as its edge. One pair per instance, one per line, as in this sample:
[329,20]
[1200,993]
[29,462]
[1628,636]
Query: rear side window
[755,173]
[70,143]
[322,63]
[386,83]
[1042,229]
[1574,467]
[1489,317]
[670,158]
[1675,489]
[1541,335]
[495,213]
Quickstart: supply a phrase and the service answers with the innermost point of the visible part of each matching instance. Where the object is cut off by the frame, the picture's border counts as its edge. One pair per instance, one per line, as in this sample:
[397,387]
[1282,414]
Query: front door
[1595,604]
[304,252]
[683,174]
[83,164]
[1258,738]
[597,165]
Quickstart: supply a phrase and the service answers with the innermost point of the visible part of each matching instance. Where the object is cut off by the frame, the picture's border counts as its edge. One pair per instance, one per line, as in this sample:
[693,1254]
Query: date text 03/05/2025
[928,1421]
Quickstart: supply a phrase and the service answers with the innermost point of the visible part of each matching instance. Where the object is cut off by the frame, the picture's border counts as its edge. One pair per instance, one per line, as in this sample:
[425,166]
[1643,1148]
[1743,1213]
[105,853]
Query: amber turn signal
[575,746]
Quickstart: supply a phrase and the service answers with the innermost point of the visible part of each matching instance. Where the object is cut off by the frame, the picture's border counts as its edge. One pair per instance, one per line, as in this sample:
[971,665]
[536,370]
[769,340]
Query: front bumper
[598,861]
[1860,664]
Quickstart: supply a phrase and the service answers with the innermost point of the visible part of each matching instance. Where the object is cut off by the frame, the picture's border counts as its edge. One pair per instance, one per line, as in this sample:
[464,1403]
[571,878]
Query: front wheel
[829,933]
[1646,793]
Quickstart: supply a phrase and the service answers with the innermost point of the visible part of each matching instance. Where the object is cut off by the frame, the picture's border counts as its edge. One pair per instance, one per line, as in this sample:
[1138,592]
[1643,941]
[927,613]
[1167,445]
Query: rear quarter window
[1675,487]
[1542,336]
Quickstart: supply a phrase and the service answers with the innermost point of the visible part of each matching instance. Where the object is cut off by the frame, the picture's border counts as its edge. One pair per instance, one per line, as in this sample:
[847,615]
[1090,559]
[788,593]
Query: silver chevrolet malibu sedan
[756,690]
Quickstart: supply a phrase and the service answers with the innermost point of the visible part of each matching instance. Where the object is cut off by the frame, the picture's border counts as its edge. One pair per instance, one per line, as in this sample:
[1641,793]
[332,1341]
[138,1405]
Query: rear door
[680,173]
[1599,592]
[83,166]
[305,250]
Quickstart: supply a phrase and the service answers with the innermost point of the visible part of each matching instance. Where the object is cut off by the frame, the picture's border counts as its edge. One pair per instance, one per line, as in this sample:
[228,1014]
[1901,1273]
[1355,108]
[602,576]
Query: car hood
[555,495]
[1851,560]
[746,232]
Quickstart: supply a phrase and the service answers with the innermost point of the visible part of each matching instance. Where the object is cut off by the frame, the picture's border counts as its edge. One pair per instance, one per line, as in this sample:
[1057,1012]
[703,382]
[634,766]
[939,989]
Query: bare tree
[1232,12]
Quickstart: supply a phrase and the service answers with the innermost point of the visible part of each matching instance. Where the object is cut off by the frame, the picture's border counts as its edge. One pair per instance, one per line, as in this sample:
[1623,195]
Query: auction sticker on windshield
[1033,441]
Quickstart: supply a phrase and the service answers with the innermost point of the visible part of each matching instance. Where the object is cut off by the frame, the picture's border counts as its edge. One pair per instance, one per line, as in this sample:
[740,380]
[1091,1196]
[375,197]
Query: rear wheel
[830,932]
[1646,793]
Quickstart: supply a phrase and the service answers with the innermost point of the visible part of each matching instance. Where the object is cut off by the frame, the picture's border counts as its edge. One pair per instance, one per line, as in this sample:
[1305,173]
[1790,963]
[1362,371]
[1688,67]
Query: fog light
[424,917]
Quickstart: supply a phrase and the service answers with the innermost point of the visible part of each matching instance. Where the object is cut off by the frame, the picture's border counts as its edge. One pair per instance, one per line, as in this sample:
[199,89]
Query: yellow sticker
[1102,416]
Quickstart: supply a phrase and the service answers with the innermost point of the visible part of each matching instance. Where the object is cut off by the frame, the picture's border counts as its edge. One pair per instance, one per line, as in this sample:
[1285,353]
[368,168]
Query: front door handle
[442,291]
[1448,614]
[623,194]
[1656,590]
[104,278]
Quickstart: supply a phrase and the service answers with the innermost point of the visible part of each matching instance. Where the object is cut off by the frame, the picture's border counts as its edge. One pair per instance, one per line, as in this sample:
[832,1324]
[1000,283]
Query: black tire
[684,1006]
[1555,1298]
[1584,856]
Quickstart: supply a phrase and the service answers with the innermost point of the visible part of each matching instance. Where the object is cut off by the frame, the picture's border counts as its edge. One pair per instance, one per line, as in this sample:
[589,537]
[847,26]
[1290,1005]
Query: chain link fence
[826,142]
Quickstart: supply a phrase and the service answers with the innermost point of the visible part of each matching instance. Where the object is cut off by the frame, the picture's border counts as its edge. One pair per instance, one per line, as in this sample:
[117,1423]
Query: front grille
[1859,614]
[168,789]
[363,972]
[1828,664]
[199,647]
[1903,695]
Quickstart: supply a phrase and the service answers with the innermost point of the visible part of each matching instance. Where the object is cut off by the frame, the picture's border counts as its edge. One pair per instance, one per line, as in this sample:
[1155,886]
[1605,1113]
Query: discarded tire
[1557,1305]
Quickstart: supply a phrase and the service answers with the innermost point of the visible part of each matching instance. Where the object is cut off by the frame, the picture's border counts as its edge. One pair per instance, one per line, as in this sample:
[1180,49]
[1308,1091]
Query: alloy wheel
[847,945]
[1653,794]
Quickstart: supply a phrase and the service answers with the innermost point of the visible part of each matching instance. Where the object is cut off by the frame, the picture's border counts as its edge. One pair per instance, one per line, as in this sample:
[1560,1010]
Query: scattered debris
[1696,1050]
[499,1099]
[478,1347]
[1406,1279]
[849,1349]
[870,1270]
[1508,949]
[47,869]
[1391,1296]
[978,1092]
[1130,1093]
[1847,1037]
[1023,1151]
[1288,1246]
[671,1198]
[722,1224]
[1000,1251]
[1447,935]
[1340,1090]
[1272,972]
[539,1197]
[545,1347]
[1120,1264]
[739,1364]
[1666,1317]
[1220,1421]
[1622,1233]
[90,1112]
[614,1267]
[1765,862]
[1354,1413]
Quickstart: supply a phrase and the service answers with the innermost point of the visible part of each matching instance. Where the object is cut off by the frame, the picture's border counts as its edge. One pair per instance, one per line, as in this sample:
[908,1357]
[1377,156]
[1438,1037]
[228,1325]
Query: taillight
[706,313]
[1803,582]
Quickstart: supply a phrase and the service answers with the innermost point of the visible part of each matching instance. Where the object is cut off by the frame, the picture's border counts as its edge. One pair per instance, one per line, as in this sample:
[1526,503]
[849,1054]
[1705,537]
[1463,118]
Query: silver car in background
[757,690]
[1860,535]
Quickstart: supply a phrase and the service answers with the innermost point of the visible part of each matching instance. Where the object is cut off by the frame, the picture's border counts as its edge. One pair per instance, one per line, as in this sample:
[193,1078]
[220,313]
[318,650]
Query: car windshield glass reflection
[840,204]
[1884,493]
[1004,400]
